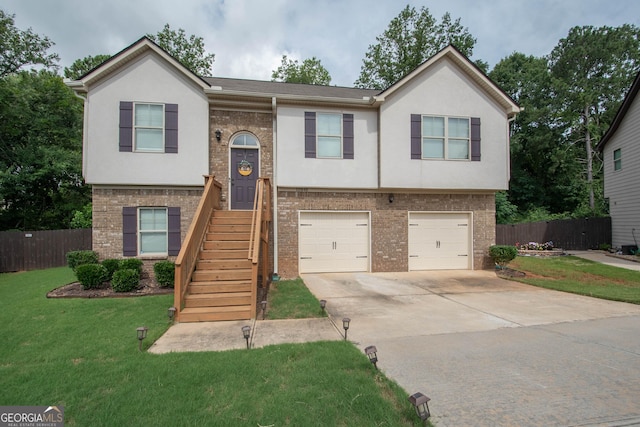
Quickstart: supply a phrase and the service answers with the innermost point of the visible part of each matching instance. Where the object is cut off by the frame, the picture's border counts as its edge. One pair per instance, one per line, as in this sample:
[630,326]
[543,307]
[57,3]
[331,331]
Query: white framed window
[329,135]
[617,159]
[153,231]
[446,138]
[245,140]
[148,126]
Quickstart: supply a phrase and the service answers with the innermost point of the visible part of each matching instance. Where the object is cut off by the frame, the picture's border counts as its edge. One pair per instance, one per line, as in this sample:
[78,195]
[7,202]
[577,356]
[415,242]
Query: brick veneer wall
[107,212]
[389,223]
[231,123]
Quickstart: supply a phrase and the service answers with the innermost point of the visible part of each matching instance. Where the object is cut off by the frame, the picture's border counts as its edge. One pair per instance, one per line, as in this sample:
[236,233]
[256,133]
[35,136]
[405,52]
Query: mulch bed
[75,290]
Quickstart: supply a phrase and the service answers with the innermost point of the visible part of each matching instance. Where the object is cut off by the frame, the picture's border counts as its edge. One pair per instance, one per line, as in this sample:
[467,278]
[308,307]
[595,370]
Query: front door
[245,168]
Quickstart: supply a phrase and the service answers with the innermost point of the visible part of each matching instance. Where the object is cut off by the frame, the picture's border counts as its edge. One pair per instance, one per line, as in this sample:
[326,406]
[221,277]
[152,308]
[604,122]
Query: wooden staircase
[220,286]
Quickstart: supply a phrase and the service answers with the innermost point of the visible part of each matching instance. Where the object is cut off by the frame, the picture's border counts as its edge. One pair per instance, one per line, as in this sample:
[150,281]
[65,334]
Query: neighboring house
[364,180]
[620,147]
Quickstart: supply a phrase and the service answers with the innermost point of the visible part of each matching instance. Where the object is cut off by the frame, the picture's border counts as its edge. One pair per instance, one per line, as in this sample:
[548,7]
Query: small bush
[502,254]
[604,246]
[125,280]
[76,258]
[112,265]
[131,264]
[91,276]
[165,273]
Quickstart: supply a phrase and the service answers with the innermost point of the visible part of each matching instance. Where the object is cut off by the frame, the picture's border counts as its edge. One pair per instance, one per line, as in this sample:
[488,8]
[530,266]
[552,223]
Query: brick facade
[107,212]
[231,123]
[389,223]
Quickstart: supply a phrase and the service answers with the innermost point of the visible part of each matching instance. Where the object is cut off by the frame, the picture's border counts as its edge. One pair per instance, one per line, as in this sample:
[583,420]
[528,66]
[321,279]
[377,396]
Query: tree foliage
[189,51]
[592,69]
[311,71]
[40,152]
[82,66]
[412,37]
[19,48]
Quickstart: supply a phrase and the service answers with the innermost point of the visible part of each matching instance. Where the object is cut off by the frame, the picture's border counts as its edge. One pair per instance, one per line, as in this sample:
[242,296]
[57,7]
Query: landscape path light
[171,312]
[323,304]
[142,334]
[345,326]
[421,403]
[246,332]
[372,354]
[263,304]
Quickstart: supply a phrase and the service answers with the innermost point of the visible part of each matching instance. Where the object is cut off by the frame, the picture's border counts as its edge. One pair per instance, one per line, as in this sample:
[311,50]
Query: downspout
[274,186]
[509,121]
[85,123]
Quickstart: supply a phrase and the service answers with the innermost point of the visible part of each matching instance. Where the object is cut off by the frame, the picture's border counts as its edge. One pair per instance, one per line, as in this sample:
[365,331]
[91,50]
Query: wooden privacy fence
[571,234]
[32,250]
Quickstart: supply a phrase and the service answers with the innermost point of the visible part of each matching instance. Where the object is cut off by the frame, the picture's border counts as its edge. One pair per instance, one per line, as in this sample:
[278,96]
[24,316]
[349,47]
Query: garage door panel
[439,241]
[333,242]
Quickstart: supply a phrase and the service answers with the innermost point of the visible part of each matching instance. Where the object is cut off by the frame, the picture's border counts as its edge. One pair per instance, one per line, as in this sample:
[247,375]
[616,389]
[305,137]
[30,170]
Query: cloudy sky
[249,37]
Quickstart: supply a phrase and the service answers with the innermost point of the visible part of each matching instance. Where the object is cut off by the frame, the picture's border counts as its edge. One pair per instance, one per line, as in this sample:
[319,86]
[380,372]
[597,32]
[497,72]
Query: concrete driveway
[494,352]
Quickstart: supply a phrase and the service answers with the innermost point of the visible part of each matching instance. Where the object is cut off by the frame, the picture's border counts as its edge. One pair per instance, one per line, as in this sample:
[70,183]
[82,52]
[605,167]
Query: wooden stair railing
[186,261]
[259,240]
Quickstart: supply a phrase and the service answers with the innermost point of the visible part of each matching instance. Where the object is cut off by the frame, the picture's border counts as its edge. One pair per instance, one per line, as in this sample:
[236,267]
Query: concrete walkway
[603,258]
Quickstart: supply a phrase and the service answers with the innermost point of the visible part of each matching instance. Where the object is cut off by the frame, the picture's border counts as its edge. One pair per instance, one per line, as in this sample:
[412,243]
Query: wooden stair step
[212,254]
[217,299]
[231,214]
[212,275]
[229,228]
[211,287]
[212,314]
[224,264]
[226,245]
[238,236]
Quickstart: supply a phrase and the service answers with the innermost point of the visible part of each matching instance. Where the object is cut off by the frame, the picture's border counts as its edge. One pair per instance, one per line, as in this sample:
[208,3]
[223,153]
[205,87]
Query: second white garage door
[332,242]
[439,241]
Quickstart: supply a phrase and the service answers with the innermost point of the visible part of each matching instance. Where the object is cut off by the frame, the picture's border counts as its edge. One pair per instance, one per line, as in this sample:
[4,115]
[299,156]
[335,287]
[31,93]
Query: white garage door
[439,241]
[332,242]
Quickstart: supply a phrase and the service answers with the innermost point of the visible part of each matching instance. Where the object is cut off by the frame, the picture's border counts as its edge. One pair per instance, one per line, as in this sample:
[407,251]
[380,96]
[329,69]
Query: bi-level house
[347,179]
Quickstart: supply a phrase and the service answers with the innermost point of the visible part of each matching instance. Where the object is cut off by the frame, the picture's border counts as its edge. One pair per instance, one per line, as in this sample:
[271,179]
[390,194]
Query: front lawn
[83,354]
[290,299]
[580,276]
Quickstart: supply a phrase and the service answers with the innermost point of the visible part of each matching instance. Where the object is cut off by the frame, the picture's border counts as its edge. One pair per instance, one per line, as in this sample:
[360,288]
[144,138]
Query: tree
[82,66]
[189,51]
[592,69]
[412,37]
[21,48]
[40,152]
[310,72]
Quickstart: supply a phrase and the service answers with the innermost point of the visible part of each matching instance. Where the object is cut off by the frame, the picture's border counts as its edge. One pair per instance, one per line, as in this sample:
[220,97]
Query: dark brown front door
[244,173]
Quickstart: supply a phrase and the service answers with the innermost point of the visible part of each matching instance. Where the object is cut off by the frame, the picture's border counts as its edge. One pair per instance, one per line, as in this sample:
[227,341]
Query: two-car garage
[339,241]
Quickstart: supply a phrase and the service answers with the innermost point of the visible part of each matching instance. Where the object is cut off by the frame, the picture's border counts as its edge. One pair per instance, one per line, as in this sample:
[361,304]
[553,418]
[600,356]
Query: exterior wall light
[142,334]
[246,332]
[421,403]
[345,326]
[218,133]
[371,353]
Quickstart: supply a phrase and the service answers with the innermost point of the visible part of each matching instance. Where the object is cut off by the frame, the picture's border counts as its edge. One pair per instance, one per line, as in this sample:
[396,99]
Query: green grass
[580,276]
[290,299]
[82,354]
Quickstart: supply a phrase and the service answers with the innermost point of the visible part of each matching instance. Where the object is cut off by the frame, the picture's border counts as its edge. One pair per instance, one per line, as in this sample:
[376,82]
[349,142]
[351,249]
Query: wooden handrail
[186,261]
[259,237]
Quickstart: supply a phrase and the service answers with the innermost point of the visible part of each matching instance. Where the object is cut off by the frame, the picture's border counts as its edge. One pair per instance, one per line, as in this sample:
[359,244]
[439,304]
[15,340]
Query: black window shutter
[129,231]
[475,139]
[173,217]
[126,126]
[416,136]
[310,135]
[171,128]
[347,136]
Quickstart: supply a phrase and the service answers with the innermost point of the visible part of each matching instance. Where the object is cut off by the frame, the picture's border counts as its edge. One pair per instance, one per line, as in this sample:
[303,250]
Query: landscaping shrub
[165,273]
[112,265]
[76,258]
[125,280]
[91,276]
[131,264]
[502,254]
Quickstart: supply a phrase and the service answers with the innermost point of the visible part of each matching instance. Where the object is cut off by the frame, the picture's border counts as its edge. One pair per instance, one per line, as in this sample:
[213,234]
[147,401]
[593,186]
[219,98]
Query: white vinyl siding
[333,242]
[439,241]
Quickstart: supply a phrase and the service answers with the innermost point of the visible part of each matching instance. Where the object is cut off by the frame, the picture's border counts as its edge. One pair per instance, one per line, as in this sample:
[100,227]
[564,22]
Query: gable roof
[622,111]
[125,56]
[469,68]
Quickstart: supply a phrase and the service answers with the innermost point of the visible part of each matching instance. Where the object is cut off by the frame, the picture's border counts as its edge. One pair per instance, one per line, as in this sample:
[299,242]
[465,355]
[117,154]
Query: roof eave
[217,91]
